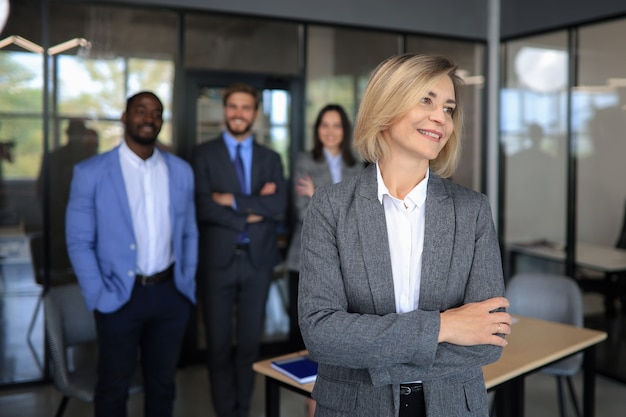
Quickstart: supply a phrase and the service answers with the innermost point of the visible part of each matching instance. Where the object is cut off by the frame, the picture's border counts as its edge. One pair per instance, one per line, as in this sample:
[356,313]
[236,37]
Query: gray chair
[554,298]
[71,337]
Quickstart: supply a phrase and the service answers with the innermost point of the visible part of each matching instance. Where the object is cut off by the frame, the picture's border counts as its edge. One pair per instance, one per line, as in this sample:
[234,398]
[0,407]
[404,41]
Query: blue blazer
[100,236]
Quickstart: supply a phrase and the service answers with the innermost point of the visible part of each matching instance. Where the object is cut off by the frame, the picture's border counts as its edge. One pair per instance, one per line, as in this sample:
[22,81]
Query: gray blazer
[347,307]
[319,172]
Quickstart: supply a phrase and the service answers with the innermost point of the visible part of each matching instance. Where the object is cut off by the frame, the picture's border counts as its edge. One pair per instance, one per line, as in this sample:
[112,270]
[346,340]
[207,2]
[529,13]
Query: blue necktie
[241,177]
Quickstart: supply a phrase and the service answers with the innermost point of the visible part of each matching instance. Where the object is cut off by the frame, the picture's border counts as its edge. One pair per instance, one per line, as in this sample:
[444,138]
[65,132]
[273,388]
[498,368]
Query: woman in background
[330,161]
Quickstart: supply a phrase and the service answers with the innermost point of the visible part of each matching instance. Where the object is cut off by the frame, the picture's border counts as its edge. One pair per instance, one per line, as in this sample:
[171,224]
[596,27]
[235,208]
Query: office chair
[554,298]
[71,337]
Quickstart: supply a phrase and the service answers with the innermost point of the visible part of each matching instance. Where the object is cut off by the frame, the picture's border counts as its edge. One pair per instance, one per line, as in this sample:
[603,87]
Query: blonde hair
[394,88]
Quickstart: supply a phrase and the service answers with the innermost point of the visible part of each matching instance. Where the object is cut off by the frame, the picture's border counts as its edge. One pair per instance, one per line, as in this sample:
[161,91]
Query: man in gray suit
[401,282]
[240,193]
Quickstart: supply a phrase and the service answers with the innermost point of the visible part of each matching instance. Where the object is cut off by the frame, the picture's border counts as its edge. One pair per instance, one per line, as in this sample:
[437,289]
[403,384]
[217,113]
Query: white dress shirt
[335,163]
[405,230]
[147,188]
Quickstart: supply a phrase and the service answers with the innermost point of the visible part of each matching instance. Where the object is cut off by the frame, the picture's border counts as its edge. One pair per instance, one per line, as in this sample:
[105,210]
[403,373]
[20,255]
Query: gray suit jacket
[347,307]
[320,175]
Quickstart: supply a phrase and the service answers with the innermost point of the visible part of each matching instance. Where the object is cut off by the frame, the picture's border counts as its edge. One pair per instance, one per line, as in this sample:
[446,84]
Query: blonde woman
[400,295]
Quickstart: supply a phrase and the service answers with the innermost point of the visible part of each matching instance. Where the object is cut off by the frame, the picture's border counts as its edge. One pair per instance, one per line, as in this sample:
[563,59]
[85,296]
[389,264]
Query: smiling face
[143,120]
[239,114]
[330,131]
[424,131]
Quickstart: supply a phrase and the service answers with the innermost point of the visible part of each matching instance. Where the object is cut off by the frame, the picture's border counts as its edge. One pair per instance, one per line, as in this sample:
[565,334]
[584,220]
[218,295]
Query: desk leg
[589,382]
[272,398]
[510,398]
[511,265]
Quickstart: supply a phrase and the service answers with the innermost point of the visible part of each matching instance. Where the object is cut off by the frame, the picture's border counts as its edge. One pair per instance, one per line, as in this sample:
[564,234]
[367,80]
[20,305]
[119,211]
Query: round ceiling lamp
[4,13]
[541,69]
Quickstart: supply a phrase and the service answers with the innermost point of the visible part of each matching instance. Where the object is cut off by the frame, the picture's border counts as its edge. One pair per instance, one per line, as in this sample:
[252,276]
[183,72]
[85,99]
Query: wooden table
[533,344]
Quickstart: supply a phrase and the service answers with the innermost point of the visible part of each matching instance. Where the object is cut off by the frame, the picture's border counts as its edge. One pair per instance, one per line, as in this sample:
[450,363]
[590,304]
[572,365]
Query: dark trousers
[295,337]
[240,291]
[413,404]
[152,323]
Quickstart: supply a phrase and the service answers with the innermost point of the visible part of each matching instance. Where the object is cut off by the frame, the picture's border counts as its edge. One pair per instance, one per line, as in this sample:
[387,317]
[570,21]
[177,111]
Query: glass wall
[21,133]
[470,59]
[533,117]
[339,63]
[93,68]
[538,111]
[240,44]
[599,121]
[98,56]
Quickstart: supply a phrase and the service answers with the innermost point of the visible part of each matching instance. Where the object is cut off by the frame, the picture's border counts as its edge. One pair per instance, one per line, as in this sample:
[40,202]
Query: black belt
[155,278]
[408,389]
[412,402]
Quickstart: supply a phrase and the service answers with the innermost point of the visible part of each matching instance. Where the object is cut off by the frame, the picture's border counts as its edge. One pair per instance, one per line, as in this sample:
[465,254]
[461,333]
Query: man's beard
[142,140]
[245,130]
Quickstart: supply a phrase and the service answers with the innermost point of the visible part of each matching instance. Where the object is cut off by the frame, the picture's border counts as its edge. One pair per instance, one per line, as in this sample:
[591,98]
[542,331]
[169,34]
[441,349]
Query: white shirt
[147,188]
[405,230]
[335,163]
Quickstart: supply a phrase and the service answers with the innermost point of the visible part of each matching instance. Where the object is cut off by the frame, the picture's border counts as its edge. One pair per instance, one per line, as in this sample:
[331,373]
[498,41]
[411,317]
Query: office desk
[605,259]
[533,344]
[608,260]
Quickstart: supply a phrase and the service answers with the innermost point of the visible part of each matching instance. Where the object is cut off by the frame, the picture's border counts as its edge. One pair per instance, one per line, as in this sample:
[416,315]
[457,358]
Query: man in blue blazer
[240,192]
[132,239]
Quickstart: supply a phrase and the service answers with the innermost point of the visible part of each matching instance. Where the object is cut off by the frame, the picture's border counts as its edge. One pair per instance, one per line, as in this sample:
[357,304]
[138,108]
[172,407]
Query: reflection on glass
[600,125]
[220,42]
[469,56]
[339,63]
[21,82]
[533,122]
[541,69]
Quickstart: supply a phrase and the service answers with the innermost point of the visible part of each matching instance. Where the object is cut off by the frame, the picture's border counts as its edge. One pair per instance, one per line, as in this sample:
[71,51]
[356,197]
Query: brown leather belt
[155,278]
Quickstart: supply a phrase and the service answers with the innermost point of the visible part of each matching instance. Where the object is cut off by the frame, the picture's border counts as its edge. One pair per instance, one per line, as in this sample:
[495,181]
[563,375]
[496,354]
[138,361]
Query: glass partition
[599,121]
[240,44]
[533,118]
[470,58]
[339,63]
[93,68]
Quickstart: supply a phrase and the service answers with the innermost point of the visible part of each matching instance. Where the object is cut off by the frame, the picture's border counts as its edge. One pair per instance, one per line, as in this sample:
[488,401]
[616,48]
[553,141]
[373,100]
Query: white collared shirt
[147,188]
[335,163]
[405,230]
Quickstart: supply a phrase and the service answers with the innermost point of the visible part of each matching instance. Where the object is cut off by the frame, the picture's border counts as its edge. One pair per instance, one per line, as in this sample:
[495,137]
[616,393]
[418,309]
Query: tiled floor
[194,400]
